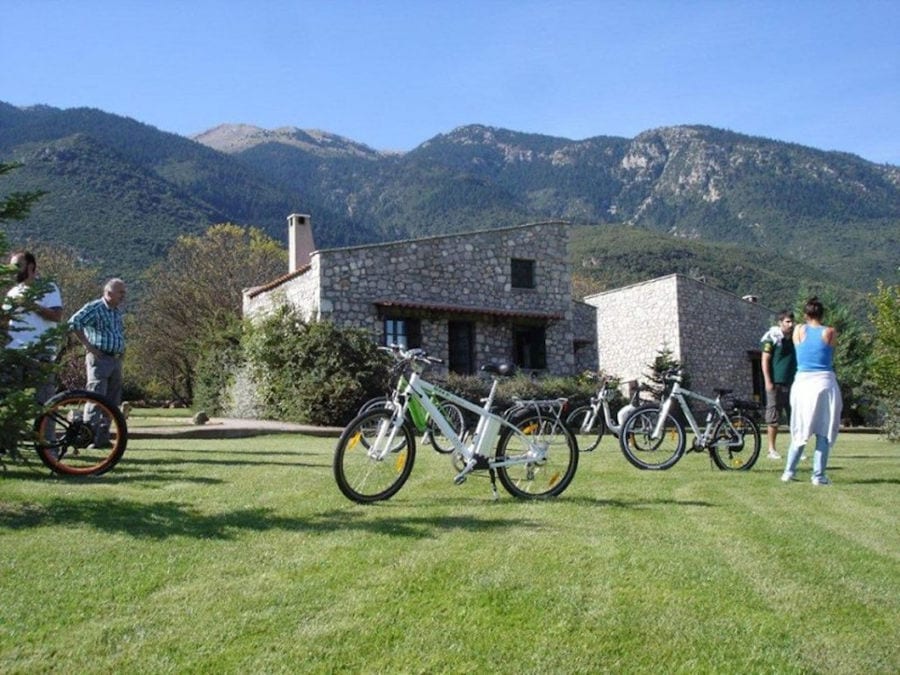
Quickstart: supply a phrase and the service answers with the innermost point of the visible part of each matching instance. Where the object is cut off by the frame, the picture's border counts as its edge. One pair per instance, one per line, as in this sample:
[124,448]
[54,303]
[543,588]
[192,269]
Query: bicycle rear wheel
[80,433]
[641,449]
[548,453]
[588,439]
[737,449]
[363,471]
[454,416]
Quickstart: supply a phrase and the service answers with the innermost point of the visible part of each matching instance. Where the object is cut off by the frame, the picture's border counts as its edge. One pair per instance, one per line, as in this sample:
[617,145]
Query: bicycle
[533,453]
[589,426]
[652,438]
[431,433]
[78,433]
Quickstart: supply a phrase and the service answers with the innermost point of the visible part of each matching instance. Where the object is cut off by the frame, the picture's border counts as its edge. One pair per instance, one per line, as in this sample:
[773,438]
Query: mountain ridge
[835,211]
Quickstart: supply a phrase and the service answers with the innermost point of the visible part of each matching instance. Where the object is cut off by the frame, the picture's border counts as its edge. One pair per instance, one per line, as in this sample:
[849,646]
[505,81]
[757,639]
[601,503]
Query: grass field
[241,556]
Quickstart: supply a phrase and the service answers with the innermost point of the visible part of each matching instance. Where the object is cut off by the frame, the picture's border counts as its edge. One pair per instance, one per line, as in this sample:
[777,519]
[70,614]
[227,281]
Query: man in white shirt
[37,314]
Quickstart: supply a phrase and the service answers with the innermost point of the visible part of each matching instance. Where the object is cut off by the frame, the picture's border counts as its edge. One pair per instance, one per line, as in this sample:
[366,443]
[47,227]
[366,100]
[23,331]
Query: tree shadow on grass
[638,503]
[238,453]
[134,459]
[133,470]
[874,481]
[162,520]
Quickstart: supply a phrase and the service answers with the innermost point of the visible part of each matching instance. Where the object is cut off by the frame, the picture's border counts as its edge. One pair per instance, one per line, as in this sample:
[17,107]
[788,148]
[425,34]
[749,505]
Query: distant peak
[234,138]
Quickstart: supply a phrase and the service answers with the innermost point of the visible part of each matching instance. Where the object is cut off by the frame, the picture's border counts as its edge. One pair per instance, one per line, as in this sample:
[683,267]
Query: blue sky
[394,73]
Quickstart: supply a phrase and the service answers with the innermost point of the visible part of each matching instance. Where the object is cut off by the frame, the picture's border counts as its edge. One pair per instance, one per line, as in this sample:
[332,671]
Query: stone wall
[585,323]
[300,289]
[446,276]
[633,324]
[711,331]
[718,332]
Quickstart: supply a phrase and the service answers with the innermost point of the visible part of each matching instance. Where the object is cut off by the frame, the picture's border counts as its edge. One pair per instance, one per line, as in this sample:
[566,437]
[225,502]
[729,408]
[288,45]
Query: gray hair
[112,283]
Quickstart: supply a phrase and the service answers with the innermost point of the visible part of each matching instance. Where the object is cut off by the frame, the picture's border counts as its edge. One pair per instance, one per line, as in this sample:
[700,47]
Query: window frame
[403,331]
[523,273]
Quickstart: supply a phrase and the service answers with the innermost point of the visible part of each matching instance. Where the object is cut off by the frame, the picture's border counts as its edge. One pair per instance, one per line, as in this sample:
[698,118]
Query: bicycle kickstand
[493,475]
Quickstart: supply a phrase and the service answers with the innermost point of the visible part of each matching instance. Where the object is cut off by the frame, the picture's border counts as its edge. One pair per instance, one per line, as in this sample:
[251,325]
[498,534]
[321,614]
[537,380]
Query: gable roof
[275,283]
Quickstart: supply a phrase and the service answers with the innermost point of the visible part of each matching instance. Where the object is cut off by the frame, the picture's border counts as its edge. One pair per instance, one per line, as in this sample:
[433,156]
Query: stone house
[469,299]
[506,294]
[713,333]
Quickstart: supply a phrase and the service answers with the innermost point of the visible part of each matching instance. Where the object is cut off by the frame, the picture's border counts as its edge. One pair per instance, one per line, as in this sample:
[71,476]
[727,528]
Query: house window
[522,273]
[406,333]
[530,345]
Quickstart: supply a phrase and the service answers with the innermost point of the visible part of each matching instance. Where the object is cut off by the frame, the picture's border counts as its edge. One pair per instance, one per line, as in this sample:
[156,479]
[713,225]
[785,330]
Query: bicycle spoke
[645,451]
[540,461]
[365,468]
[80,433]
[736,443]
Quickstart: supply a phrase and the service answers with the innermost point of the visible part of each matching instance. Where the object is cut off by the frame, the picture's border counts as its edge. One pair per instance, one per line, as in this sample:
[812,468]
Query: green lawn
[241,556]
[160,417]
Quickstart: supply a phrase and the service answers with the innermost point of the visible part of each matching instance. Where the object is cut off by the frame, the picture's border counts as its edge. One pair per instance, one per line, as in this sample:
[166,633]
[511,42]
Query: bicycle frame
[486,432]
[599,402]
[716,413]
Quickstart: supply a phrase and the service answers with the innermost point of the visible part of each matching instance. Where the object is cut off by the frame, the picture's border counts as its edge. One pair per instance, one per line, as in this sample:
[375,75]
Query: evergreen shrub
[313,373]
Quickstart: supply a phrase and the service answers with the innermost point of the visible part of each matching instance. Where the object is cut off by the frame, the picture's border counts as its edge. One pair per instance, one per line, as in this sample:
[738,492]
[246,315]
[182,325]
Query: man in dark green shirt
[779,364]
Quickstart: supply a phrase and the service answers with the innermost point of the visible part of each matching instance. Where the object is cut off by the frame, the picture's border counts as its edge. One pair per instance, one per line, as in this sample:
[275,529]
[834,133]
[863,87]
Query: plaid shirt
[102,326]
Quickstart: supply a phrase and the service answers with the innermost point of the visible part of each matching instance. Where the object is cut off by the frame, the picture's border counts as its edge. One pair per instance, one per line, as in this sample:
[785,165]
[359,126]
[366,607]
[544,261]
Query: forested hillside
[611,256]
[119,192]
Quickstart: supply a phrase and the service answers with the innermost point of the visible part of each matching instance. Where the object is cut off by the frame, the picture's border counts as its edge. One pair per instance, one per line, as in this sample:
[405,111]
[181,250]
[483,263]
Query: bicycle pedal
[471,465]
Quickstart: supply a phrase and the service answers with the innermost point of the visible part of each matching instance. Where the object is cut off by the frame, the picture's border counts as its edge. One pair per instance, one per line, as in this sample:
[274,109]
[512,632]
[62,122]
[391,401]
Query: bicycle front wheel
[642,449]
[735,447]
[588,433]
[454,416]
[80,433]
[365,472]
[538,462]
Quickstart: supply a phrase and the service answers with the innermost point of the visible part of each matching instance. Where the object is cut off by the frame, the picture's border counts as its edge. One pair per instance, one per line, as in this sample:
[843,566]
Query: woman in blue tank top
[816,401]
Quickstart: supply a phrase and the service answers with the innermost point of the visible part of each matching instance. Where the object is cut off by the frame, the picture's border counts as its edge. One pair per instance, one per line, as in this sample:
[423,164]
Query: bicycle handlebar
[674,375]
[414,354]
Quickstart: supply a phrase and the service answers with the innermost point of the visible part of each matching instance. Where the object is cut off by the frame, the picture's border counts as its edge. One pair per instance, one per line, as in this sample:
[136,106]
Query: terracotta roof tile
[459,309]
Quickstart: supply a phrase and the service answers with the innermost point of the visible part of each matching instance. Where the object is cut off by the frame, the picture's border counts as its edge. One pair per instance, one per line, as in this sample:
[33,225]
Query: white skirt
[816,406]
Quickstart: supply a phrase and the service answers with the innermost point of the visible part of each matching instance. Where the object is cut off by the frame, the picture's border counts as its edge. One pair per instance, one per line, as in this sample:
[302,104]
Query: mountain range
[738,210]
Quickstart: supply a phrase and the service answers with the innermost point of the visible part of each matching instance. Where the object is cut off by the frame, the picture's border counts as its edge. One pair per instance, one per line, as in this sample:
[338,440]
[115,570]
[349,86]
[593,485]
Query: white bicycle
[589,425]
[654,438]
[532,452]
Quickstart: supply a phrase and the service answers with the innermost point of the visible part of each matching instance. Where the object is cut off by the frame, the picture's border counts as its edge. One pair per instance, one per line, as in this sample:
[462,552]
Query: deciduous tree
[886,353]
[192,303]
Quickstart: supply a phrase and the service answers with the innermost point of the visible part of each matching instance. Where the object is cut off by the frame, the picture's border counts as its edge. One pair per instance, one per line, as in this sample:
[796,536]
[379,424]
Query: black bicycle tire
[50,454]
[596,435]
[628,440]
[348,440]
[745,421]
[437,439]
[557,482]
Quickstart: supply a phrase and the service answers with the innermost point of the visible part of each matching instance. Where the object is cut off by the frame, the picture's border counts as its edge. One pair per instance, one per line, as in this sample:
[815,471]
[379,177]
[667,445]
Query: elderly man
[100,328]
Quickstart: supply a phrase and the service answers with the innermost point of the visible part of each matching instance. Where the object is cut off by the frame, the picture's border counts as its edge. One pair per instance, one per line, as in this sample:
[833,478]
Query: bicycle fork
[661,422]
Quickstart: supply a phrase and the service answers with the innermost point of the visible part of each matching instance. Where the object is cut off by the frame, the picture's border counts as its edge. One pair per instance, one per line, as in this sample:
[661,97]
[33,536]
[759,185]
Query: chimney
[300,241]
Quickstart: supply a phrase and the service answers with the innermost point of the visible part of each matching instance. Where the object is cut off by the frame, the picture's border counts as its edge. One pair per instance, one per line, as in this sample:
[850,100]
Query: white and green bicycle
[533,453]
